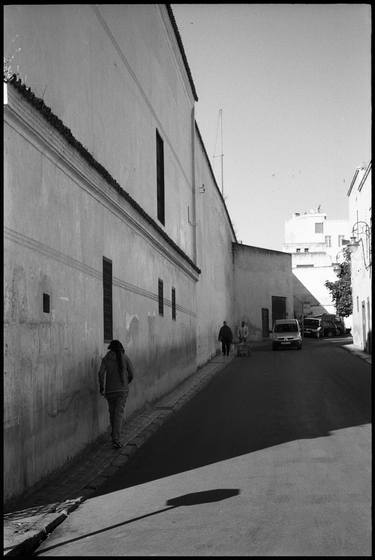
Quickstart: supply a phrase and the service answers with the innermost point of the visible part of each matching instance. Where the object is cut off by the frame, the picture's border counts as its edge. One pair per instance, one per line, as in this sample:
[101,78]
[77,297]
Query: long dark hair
[118,348]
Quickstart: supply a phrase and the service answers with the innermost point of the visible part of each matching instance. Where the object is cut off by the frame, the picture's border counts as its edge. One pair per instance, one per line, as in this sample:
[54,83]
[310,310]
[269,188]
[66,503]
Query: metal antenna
[220,122]
[222,153]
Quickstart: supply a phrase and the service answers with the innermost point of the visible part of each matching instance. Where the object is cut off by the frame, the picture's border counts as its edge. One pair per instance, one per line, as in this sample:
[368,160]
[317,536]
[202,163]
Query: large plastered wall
[113,74]
[260,274]
[214,256]
[58,227]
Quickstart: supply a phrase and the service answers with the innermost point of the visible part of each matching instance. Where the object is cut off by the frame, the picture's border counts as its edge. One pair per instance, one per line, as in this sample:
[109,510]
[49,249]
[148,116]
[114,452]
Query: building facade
[114,226]
[263,288]
[316,245]
[360,221]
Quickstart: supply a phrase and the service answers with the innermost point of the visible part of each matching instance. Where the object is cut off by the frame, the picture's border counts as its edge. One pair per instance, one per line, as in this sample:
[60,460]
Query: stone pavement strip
[32,517]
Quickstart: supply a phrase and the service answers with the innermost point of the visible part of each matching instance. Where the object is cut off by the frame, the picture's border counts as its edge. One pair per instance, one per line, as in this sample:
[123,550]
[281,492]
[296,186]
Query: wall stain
[19,305]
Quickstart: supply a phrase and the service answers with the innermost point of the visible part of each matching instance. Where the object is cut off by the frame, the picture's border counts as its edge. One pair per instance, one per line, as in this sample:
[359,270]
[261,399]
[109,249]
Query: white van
[286,333]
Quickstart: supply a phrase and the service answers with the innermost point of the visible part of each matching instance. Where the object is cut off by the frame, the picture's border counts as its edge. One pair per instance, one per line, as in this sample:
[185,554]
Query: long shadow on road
[254,403]
[192,499]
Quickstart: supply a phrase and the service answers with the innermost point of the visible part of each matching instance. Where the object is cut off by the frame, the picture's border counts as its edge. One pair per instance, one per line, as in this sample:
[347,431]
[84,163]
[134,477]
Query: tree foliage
[341,289]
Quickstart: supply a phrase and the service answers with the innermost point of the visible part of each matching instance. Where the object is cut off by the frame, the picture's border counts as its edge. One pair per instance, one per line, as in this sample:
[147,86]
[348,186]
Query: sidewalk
[357,351]
[28,521]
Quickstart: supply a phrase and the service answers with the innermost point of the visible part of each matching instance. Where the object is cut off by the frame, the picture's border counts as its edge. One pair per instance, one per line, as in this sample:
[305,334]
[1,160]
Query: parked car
[286,333]
[312,327]
[332,325]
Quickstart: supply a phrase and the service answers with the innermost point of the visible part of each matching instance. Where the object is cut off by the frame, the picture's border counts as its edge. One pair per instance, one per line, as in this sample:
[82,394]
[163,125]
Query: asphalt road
[271,458]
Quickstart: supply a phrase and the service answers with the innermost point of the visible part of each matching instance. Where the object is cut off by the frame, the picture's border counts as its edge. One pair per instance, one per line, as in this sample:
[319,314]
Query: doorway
[364,330]
[278,308]
[265,322]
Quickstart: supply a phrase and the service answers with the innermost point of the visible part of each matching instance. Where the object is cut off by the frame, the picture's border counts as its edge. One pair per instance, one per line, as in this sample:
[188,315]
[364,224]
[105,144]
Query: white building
[359,195]
[315,244]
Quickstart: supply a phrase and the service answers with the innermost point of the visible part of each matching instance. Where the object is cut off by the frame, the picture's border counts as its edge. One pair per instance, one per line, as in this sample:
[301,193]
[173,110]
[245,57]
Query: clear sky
[294,85]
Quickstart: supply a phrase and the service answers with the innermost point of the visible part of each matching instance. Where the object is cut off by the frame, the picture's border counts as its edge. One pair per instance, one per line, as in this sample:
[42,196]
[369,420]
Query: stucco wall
[62,218]
[113,75]
[260,274]
[214,245]
[57,230]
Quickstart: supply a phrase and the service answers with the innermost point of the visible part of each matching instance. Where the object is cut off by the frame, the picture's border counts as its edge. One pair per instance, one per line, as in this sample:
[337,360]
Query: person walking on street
[243,332]
[115,373]
[226,338]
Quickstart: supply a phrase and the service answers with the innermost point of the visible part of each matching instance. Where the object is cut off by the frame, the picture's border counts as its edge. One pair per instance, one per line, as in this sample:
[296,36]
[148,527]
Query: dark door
[369,333]
[265,322]
[364,331]
[278,308]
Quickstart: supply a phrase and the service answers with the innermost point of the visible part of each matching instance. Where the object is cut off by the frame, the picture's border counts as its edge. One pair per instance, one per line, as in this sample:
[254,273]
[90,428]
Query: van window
[286,327]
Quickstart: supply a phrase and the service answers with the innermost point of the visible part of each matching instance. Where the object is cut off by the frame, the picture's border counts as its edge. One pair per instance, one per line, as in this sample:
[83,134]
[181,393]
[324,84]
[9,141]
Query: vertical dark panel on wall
[161,297]
[160,178]
[265,322]
[46,303]
[174,304]
[107,299]
[278,308]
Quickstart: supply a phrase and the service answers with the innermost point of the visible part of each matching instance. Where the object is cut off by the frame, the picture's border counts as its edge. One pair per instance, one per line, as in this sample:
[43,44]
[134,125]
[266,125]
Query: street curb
[358,353]
[30,544]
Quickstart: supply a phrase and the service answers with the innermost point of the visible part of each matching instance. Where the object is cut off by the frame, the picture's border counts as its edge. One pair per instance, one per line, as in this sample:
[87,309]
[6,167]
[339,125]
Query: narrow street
[272,457]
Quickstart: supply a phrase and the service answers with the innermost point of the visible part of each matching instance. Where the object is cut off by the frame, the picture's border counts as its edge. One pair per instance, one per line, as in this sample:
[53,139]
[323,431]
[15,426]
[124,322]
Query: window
[107,299]
[319,227]
[306,249]
[340,239]
[46,303]
[174,304]
[160,178]
[298,250]
[328,241]
[160,297]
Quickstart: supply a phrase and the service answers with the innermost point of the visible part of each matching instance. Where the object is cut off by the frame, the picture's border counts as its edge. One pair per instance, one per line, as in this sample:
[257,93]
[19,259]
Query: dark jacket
[111,380]
[225,334]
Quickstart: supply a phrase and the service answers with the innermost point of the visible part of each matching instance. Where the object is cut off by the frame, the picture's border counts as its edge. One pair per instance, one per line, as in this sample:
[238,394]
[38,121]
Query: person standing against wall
[115,373]
[243,332]
[226,338]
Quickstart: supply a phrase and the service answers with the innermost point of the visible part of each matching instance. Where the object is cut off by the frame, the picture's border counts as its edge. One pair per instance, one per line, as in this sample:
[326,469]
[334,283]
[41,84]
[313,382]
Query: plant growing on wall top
[8,73]
[7,69]
[341,289]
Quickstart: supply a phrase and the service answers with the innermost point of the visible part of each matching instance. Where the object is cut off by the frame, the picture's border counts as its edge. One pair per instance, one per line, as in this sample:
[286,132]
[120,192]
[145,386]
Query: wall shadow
[253,404]
[304,300]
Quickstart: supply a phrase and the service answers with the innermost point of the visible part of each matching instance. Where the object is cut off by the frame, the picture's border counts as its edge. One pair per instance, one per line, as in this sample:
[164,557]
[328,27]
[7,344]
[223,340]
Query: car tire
[329,334]
[274,347]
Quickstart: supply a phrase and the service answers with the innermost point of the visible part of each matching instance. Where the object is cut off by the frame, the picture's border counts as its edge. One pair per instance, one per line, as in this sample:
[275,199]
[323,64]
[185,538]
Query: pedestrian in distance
[226,338]
[115,373]
[243,332]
